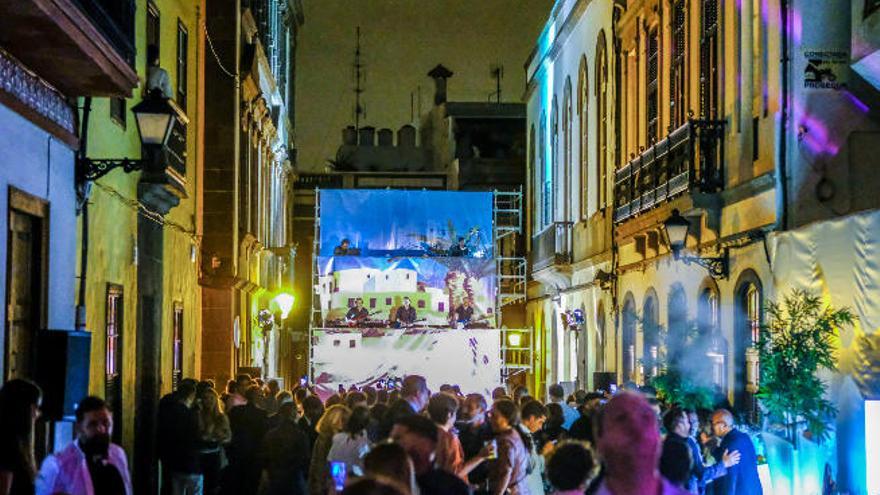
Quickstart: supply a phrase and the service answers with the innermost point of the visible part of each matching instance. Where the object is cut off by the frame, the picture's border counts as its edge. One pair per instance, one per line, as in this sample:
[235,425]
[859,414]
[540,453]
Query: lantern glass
[676,230]
[153,127]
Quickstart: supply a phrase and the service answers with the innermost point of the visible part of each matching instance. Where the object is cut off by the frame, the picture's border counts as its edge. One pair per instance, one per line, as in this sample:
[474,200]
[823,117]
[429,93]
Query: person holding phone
[332,422]
[352,444]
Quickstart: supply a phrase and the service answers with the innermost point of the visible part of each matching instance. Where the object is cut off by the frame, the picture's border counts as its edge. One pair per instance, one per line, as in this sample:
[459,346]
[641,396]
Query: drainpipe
[80,323]
[781,165]
[615,261]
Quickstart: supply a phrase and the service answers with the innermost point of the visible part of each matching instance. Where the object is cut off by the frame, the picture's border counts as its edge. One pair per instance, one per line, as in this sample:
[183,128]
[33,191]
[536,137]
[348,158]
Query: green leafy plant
[797,342]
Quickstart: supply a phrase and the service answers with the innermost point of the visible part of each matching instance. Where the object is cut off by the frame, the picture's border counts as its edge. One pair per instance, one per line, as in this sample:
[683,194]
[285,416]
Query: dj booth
[405,282]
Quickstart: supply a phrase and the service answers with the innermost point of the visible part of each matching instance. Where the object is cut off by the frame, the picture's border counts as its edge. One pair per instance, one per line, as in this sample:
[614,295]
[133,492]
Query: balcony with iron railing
[688,160]
[552,247]
[81,47]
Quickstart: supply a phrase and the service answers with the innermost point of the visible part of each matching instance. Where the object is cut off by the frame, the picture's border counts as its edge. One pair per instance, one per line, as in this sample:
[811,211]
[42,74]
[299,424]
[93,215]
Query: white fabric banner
[469,358]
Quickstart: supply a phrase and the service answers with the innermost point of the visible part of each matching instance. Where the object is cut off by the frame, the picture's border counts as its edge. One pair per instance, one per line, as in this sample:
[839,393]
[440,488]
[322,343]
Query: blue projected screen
[392,223]
[407,292]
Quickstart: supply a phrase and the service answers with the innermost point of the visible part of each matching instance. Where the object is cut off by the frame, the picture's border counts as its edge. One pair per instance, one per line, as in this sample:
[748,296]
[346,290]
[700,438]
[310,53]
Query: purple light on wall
[859,104]
[797,26]
[815,137]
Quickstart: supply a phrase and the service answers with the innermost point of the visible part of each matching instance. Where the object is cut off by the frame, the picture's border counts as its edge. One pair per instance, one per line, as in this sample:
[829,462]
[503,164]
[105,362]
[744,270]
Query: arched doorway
[628,338]
[599,348]
[749,302]
[650,336]
[709,330]
[678,325]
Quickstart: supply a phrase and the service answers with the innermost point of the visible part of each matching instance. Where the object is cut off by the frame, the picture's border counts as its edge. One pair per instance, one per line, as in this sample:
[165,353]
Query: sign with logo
[826,69]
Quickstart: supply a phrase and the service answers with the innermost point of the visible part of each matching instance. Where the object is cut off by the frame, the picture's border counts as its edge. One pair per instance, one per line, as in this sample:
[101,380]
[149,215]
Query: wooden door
[23,293]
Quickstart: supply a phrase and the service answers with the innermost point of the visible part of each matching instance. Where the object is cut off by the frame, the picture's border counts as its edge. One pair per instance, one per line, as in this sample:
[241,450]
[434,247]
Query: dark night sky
[401,41]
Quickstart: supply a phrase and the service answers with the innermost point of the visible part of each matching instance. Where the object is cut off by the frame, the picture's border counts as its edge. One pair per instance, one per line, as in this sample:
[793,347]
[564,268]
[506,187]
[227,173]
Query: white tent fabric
[840,259]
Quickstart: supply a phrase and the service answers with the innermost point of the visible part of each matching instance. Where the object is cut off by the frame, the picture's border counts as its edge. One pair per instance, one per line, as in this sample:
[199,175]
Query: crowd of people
[253,439]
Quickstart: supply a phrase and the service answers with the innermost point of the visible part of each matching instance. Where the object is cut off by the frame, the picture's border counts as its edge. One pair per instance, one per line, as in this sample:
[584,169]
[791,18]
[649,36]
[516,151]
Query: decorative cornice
[35,94]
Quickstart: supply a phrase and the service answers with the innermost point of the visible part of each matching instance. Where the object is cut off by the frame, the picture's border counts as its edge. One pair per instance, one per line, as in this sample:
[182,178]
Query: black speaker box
[602,380]
[63,371]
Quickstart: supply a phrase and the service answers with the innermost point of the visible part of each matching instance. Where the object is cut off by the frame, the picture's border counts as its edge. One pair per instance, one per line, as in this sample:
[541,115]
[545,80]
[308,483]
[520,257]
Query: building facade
[104,245]
[757,123]
[571,114]
[247,252]
[142,235]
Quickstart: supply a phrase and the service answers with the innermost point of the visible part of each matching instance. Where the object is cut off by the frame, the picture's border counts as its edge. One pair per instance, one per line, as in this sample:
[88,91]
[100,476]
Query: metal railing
[689,159]
[322,181]
[115,20]
[553,246]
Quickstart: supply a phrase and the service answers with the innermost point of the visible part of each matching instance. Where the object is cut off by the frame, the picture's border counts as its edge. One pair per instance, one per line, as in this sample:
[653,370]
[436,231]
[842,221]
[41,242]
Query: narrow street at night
[411,247]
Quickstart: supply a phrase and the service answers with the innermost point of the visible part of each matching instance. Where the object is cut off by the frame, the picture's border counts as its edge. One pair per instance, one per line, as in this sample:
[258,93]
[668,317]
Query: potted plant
[796,343]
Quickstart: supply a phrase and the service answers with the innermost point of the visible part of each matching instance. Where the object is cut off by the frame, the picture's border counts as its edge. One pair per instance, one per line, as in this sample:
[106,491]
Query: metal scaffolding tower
[510,272]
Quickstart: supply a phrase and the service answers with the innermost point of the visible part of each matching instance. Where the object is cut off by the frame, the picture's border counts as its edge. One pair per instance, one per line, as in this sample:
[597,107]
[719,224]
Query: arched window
[600,338]
[534,179]
[583,130]
[709,59]
[650,336]
[709,328]
[708,317]
[652,91]
[546,174]
[628,338]
[678,67]
[566,151]
[554,162]
[601,120]
[747,328]
[676,339]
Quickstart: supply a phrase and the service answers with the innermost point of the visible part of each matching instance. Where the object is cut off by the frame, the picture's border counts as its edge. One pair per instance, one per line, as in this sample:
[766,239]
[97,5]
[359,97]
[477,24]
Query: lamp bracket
[718,267]
[90,170]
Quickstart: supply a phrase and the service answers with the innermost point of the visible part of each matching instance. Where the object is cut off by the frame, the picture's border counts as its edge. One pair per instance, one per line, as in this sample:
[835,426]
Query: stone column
[150,270]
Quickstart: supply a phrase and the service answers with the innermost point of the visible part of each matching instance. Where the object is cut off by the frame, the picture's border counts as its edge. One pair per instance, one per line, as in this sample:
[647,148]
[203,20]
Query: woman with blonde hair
[214,433]
[332,422]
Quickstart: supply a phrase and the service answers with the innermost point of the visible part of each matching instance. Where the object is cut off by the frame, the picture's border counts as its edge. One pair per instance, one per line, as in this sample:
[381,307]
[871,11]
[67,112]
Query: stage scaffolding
[511,275]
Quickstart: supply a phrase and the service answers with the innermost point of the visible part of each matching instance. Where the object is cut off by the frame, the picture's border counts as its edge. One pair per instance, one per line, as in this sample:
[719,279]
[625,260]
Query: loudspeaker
[602,380]
[63,371]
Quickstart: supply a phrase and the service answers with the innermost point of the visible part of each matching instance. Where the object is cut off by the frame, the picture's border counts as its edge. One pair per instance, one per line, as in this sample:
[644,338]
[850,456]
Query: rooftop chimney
[440,74]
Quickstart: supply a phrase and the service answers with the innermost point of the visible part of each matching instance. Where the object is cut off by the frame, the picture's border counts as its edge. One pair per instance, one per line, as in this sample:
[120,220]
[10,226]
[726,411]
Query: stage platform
[470,358]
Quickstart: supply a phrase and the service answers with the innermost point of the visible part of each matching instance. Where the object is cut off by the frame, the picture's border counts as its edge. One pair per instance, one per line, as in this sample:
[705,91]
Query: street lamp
[156,117]
[284,302]
[676,227]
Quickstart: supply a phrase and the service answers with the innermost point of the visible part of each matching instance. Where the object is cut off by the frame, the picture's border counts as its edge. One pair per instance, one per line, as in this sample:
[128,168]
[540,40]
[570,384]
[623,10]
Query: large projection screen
[405,284]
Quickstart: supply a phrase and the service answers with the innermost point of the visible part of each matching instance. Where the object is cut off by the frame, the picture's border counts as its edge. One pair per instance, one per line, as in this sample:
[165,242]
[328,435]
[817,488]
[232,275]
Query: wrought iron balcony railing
[322,181]
[689,159]
[553,246]
[115,20]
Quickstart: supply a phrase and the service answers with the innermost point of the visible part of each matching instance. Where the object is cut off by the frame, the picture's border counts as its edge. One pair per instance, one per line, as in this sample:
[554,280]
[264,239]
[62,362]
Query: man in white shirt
[157,77]
[91,464]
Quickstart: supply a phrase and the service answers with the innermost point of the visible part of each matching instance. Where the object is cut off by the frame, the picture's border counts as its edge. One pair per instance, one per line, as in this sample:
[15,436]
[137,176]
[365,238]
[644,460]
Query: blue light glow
[872,445]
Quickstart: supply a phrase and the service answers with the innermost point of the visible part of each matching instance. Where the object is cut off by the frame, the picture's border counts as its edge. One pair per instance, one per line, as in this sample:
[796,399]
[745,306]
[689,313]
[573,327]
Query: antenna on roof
[360,76]
[497,71]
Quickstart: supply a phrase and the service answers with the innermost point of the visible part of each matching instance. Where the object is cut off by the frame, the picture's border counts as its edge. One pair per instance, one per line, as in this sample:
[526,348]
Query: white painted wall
[38,164]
